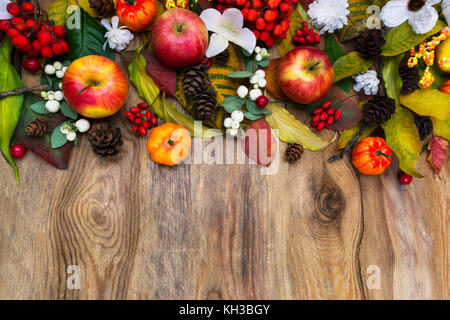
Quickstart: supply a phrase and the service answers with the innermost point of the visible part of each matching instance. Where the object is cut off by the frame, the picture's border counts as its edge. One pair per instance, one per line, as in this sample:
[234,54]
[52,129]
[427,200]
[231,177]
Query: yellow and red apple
[95,86]
[179,38]
[446,87]
[305,74]
[443,55]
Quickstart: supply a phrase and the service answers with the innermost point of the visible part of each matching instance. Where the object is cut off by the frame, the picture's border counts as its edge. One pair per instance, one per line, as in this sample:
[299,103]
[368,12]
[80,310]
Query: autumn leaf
[271,78]
[350,64]
[438,153]
[285,45]
[357,19]
[441,128]
[57,11]
[164,76]
[428,102]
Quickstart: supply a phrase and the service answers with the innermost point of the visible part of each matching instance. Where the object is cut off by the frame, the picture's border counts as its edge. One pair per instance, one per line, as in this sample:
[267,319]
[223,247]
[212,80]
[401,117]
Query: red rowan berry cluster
[305,36]
[30,33]
[268,19]
[141,119]
[325,116]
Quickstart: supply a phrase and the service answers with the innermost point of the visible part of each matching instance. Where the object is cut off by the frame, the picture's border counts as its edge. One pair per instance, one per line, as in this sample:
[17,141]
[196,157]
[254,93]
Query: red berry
[57,48]
[36,45]
[285,25]
[44,37]
[240,2]
[316,118]
[46,52]
[330,120]
[260,24]
[338,114]
[140,115]
[330,111]
[138,120]
[27,7]
[146,124]
[262,101]
[148,114]
[131,118]
[12,33]
[404,178]
[142,105]
[142,131]
[65,46]
[13,9]
[154,120]
[33,25]
[299,33]
[314,124]
[264,36]
[20,41]
[135,128]
[323,116]
[17,151]
[270,15]
[269,42]
[31,65]
[273,4]
[32,53]
[269,26]
[309,39]
[317,111]
[252,15]
[244,13]
[316,38]
[302,41]
[277,30]
[321,125]
[135,110]
[18,23]
[5,25]
[60,31]
[128,113]
[305,25]
[285,8]
[257,34]
[327,104]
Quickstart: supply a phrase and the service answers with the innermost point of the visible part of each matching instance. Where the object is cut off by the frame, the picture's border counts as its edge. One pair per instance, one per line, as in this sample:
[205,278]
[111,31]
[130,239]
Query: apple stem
[20,91]
[84,89]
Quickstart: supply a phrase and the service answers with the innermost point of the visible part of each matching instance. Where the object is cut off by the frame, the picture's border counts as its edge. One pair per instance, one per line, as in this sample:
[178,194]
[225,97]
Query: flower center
[415,5]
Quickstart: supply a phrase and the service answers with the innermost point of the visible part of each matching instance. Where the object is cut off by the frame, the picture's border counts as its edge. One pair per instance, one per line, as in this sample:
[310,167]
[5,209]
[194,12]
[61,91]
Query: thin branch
[20,91]
[350,145]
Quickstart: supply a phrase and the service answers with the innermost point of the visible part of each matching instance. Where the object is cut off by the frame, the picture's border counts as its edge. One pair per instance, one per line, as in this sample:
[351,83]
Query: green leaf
[253,108]
[233,103]
[392,81]
[240,74]
[441,128]
[291,130]
[57,11]
[350,64]
[39,107]
[68,111]
[428,102]
[251,116]
[249,67]
[10,107]
[402,38]
[148,90]
[334,52]
[58,138]
[403,138]
[263,63]
[88,39]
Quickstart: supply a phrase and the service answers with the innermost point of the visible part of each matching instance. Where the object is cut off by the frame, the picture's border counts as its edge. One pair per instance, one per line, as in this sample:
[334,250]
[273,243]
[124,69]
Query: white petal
[424,20]
[212,18]
[446,10]
[395,12]
[433,2]
[106,24]
[233,20]
[4,14]
[217,44]
[246,39]
[115,22]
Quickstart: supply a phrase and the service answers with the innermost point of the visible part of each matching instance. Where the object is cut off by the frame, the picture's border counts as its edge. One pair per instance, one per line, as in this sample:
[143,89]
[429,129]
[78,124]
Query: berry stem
[350,145]
[20,91]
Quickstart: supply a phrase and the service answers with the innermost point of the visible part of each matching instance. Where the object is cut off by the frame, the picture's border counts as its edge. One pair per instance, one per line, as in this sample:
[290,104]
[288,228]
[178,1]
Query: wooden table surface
[137,230]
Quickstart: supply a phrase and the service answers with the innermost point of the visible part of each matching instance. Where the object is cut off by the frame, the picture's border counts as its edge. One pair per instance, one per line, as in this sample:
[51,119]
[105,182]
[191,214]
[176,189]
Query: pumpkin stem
[170,142]
[379,153]
[132,2]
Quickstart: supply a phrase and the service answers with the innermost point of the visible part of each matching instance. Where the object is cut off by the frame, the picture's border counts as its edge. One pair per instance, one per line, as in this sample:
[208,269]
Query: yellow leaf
[291,130]
[356,19]
[403,138]
[349,65]
[57,11]
[285,45]
[441,128]
[86,7]
[403,38]
[428,102]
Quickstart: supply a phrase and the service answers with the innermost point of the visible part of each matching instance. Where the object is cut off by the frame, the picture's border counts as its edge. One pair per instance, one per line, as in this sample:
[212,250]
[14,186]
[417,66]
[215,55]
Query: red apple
[95,86]
[179,38]
[446,87]
[305,74]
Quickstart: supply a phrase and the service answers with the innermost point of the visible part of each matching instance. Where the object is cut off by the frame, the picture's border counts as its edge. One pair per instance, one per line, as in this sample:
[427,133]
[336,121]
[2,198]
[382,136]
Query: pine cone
[104,8]
[293,152]
[105,141]
[222,58]
[424,126]
[410,78]
[378,109]
[370,43]
[204,105]
[37,128]
[194,80]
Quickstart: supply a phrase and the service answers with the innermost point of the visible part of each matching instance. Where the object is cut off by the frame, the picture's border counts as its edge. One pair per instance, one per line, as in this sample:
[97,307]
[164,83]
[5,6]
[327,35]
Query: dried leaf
[428,102]
[271,78]
[349,65]
[57,11]
[259,144]
[164,76]
[292,130]
[356,19]
[438,153]
[441,128]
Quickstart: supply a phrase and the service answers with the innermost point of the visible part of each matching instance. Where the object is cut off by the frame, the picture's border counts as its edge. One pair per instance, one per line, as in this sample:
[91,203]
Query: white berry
[64,69]
[49,69]
[242,92]
[71,136]
[60,85]
[257,49]
[255,93]
[260,73]
[235,125]
[50,95]
[264,51]
[44,95]
[52,106]
[258,57]
[262,83]
[83,125]
[232,132]
[58,65]
[65,129]
[254,79]
[59,96]
[59,74]
[227,122]
[237,116]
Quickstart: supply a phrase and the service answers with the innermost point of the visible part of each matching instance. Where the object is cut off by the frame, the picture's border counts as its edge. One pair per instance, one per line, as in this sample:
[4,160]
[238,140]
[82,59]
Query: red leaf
[260,144]
[438,153]
[164,76]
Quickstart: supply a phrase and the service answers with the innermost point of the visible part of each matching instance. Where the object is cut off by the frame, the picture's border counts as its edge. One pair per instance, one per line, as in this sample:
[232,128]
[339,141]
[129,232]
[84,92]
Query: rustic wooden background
[138,230]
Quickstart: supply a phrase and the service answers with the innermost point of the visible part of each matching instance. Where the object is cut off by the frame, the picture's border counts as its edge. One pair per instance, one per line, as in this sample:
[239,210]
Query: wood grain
[138,230]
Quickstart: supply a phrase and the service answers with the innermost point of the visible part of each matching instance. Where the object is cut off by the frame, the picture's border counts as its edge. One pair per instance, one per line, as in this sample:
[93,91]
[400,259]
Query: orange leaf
[271,78]
[438,153]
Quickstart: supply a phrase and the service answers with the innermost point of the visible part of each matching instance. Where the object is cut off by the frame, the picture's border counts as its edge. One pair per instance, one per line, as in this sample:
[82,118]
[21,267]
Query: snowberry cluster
[325,116]
[142,119]
[70,131]
[233,123]
[268,19]
[258,81]
[305,36]
[54,98]
[31,35]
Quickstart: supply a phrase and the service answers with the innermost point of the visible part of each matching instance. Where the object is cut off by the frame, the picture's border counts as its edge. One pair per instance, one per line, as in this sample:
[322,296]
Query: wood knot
[329,203]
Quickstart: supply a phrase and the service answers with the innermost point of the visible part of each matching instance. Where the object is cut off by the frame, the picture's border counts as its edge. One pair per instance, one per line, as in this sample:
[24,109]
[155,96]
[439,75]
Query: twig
[350,145]
[20,91]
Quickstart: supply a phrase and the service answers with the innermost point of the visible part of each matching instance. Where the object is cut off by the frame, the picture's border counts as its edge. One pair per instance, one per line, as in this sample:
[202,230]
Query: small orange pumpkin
[169,144]
[136,14]
[371,156]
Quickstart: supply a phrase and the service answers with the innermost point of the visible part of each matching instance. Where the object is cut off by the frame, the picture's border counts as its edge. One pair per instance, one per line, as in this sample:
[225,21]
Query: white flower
[71,136]
[49,69]
[83,125]
[237,116]
[421,16]
[4,14]
[59,96]
[328,15]
[446,10]
[242,92]
[118,38]
[52,106]
[227,122]
[227,27]
[367,81]
[233,132]
[255,94]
